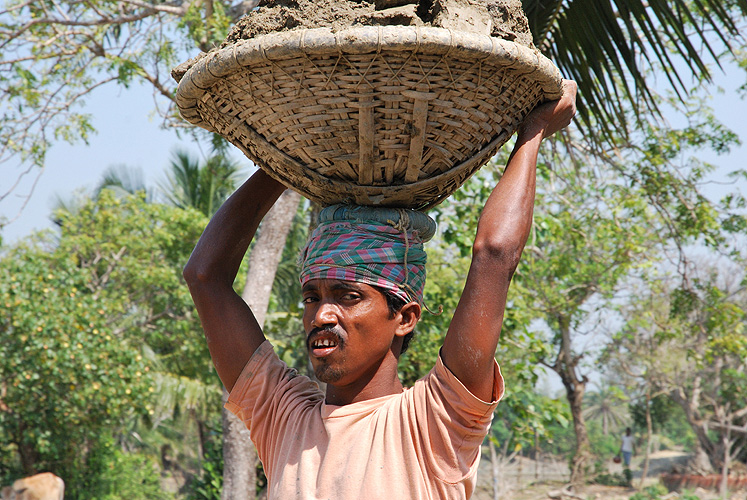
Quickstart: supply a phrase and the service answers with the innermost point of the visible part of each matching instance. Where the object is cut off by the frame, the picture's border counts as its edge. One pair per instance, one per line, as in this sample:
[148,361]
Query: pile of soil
[499,18]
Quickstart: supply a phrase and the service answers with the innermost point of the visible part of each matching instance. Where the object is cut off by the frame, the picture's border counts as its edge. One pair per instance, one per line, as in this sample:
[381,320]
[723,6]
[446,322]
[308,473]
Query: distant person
[626,446]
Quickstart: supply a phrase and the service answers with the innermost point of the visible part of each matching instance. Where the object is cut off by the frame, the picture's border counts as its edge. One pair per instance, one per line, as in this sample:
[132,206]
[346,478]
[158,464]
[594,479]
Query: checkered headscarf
[367,252]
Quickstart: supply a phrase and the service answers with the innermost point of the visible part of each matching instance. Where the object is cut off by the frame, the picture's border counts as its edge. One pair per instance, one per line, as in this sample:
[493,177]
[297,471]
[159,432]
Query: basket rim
[207,70]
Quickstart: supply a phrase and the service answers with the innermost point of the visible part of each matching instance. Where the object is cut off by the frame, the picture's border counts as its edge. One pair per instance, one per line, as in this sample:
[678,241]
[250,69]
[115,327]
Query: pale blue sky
[129,134]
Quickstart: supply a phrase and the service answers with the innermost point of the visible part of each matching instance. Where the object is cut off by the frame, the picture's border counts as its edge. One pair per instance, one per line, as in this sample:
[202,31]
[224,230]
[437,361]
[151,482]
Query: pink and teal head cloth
[381,247]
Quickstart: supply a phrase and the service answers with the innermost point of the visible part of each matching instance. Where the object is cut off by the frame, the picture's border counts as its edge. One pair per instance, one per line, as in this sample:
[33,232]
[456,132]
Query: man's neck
[383,382]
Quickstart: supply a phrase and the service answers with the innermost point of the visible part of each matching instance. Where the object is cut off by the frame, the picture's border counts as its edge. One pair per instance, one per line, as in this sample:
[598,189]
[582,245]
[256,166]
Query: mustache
[330,330]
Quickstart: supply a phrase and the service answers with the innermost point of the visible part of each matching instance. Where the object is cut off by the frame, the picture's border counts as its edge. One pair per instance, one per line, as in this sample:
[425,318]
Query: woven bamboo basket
[394,116]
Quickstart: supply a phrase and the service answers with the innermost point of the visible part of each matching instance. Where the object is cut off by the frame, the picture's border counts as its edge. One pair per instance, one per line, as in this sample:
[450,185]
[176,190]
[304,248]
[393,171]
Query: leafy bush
[116,475]
[689,495]
[610,479]
[209,484]
[650,493]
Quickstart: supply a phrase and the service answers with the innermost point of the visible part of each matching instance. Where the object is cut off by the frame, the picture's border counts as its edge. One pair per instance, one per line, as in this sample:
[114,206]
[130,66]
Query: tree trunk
[706,457]
[239,454]
[648,438]
[575,387]
[726,443]
[27,452]
[582,457]
[239,458]
[495,469]
[202,435]
[605,424]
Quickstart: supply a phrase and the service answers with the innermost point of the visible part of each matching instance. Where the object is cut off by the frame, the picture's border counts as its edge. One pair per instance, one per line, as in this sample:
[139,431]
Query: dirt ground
[527,479]
[499,18]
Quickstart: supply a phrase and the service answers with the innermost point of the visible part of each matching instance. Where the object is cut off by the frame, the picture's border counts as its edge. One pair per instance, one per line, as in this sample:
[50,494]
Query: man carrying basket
[367,436]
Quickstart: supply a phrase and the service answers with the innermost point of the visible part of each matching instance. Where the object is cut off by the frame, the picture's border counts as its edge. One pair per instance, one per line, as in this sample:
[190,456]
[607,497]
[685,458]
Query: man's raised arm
[502,232]
[231,330]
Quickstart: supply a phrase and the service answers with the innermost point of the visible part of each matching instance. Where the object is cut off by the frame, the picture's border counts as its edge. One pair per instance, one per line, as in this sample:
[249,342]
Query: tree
[203,187]
[599,218]
[588,238]
[80,309]
[608,405]
[240,456]
[687,340]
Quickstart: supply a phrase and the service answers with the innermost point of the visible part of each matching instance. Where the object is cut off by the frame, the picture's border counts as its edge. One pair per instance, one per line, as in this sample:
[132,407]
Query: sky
[129,134]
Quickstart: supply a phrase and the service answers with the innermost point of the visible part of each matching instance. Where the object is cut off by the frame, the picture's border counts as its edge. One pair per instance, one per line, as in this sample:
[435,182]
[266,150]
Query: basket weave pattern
[371,116]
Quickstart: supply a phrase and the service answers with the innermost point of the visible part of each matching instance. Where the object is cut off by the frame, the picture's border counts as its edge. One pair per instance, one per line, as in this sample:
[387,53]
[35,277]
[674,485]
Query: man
[367,437]
[627,446]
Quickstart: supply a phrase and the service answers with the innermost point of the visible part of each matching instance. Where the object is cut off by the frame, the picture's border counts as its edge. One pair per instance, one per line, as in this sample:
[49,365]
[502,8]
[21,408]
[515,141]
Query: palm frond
[200,185]
[541,15]
[176,394]
[123,180]
[610,47]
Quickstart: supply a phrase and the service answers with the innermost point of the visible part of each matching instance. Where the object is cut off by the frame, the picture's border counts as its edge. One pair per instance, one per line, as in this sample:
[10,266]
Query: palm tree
[121,179]
[203,186]
[609,405]
[610,46]
[124,180]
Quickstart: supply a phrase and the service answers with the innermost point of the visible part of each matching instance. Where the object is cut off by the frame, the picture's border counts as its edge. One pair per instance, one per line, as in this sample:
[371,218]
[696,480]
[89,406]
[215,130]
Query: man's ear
[408,317]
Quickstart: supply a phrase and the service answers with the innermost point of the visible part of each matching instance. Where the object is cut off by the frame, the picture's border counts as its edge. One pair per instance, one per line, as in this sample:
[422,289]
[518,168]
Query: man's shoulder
[267,379]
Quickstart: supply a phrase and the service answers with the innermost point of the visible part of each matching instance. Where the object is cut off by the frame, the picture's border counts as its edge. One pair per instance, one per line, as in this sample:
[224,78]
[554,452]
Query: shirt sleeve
[265,396]
[453,422]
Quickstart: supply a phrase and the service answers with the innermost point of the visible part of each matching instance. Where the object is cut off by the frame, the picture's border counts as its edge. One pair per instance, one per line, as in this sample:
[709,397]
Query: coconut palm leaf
[608,405]
[123,180]
[200,185]
[610,47]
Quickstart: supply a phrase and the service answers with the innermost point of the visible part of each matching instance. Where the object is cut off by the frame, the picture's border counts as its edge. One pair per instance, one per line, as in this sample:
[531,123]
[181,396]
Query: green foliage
[67,371]
[446,275]
[85,315]
[563,442]
[203,186]
[208,32]
[628,474]
[667,419]
[209,484]
[689,495]
[525,418]
[115,475]
[610,479]
[603,445]
[606,406]
[653,492]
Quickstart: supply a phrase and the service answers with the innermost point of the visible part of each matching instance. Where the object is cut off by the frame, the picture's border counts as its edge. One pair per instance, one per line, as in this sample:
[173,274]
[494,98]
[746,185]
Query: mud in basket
[394,116]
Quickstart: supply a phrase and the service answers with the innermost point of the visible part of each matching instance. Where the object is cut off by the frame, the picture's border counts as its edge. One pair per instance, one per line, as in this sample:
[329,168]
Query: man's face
[348,327]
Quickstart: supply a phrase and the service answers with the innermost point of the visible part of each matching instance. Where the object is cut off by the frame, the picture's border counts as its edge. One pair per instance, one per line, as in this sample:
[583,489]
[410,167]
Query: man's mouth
[322,343]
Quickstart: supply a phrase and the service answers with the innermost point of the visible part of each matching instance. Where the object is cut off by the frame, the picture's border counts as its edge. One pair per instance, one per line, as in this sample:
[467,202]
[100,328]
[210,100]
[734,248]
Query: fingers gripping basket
[391,115]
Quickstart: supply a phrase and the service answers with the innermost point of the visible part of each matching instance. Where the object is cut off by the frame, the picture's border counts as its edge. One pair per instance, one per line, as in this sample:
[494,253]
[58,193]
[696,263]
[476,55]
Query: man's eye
[350,296]
[309,300]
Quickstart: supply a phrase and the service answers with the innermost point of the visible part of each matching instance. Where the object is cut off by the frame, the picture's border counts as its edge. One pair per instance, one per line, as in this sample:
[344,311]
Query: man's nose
[325,315]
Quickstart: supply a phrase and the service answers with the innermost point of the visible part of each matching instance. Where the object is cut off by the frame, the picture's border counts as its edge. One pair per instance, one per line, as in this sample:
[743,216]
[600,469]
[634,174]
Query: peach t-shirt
[423,443]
